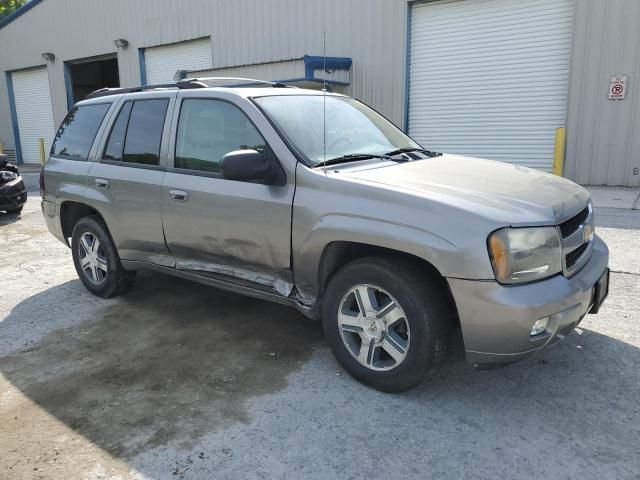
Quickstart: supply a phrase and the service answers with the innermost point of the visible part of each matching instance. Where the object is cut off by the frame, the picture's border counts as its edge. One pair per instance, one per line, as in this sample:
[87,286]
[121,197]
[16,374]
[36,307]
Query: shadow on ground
[172,360]
[8,218]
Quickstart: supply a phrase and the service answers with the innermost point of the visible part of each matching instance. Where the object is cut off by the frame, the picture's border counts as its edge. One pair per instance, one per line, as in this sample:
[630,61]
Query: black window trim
[81,159]
[144,166]
[202,173]
[113,125]
[195,173]
[122,163]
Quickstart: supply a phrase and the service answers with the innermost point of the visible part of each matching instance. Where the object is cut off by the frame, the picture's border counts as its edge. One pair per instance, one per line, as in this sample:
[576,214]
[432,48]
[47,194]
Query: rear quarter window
[78,131]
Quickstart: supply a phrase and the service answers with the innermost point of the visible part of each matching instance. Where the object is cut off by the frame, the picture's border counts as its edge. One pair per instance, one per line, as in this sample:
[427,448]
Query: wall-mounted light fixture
[48,57]
[121,43]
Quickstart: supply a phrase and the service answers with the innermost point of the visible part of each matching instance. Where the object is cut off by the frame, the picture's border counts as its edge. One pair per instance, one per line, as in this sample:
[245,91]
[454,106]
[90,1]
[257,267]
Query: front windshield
[351,127]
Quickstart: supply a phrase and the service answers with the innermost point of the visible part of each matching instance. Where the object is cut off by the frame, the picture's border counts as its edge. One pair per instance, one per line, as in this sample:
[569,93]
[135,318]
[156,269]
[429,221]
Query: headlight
[525,254]
[8,176]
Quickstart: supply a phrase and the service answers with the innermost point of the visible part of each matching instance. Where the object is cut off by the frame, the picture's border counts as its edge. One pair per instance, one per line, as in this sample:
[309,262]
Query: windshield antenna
[324,99]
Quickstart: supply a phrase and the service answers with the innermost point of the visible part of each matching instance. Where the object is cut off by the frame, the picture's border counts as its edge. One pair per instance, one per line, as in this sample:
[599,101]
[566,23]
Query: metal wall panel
[33,111]
[287,69]
[163,62]
[489,78]
[603,145]
[242,32]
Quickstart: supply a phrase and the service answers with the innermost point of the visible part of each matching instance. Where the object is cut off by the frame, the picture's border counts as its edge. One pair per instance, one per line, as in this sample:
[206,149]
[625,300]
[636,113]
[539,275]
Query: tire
[104,276]
[15,210]
[421,332]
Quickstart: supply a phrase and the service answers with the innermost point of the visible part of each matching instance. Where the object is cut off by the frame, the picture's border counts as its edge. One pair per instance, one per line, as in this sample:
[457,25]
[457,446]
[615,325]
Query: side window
[78,130]
[144,132]
[115,145]
[208,130]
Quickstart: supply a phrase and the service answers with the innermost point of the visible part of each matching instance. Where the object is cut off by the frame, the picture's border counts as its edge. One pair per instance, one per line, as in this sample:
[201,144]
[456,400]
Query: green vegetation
[7,7]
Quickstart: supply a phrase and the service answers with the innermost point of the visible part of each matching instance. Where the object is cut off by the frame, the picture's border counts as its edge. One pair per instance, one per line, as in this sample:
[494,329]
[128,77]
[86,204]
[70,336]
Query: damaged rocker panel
[278,284]
[241,281]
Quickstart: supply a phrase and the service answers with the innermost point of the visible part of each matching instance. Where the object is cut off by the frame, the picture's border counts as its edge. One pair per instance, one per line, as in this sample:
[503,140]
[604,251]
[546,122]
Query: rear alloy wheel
[93,259]
[387,321]
[96,259]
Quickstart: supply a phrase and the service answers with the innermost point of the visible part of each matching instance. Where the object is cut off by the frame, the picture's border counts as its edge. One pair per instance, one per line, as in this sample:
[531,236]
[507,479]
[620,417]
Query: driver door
[217,225]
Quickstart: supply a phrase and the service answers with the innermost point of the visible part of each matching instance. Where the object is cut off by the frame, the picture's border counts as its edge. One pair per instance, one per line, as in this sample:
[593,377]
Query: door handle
[179,195]
[101,183]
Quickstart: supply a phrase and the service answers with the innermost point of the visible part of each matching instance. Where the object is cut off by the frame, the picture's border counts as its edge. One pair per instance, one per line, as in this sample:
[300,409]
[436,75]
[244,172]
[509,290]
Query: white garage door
[489,78]
[33,111]
[162,63]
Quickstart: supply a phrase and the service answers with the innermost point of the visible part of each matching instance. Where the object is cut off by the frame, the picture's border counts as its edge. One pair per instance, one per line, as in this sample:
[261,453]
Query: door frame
[68,81]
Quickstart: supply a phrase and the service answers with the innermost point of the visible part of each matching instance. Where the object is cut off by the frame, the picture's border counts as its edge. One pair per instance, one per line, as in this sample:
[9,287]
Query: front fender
[439,252]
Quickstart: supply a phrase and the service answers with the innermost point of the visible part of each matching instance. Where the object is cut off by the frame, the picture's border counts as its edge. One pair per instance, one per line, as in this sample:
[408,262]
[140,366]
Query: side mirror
[247,165]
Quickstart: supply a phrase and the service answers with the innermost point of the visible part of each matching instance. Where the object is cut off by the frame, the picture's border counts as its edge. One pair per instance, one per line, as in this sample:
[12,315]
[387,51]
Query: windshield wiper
[351,158]
[410,149]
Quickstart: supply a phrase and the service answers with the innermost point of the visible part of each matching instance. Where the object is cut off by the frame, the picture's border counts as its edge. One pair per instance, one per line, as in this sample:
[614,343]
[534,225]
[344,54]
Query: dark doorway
[87,76]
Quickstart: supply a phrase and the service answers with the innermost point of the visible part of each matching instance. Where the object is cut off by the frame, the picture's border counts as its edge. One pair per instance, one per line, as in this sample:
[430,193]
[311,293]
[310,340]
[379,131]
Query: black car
[13,193]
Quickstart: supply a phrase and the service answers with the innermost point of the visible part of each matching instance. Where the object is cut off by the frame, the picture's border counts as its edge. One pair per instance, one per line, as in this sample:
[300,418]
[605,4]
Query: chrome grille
[572,257]
[571,225]
[577,240]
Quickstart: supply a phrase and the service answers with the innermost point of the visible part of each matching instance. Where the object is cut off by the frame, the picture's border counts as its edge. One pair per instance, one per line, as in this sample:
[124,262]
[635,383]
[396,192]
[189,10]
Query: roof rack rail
[187,83]
[238,79]
[183,84]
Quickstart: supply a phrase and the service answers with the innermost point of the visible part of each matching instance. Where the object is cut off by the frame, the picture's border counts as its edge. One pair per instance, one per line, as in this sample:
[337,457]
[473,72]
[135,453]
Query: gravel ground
[177,380]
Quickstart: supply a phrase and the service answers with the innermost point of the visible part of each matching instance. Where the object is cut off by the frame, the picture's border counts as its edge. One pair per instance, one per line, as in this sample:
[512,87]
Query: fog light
[540,326]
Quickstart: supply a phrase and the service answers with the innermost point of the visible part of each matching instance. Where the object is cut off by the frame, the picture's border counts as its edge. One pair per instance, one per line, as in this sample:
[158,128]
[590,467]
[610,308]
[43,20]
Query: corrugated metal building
[490,78]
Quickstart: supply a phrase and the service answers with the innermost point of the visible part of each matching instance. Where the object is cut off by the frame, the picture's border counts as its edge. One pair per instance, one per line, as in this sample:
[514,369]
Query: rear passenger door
[220,225]
[125,183]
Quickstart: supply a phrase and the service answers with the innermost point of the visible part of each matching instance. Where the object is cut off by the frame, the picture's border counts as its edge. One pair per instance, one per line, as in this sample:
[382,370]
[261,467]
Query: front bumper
[13,195]
[496,319]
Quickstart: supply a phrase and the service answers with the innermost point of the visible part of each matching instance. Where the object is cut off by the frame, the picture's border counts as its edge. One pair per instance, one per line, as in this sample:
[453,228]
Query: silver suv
[316,201]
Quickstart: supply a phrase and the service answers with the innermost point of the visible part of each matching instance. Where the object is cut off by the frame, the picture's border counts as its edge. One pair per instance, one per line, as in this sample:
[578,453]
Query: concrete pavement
[619,198]
[177,380]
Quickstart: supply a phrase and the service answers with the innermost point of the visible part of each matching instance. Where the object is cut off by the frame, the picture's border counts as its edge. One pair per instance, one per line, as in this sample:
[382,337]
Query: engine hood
[516,195]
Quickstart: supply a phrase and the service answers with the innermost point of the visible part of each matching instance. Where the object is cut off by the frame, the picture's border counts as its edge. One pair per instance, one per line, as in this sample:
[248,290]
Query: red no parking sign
[617,87]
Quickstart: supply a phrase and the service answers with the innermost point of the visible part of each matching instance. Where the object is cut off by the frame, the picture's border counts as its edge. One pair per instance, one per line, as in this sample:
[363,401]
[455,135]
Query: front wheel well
[71,212]
[337,254]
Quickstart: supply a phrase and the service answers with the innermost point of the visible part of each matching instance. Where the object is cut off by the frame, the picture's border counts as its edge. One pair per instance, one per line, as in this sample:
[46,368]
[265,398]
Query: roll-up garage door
[33,111]
[489,78]
[162,63]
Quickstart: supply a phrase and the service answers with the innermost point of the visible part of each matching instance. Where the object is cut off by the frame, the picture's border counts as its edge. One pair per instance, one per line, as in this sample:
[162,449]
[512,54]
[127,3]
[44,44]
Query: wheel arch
[336,254]
[329,237]
[71,212]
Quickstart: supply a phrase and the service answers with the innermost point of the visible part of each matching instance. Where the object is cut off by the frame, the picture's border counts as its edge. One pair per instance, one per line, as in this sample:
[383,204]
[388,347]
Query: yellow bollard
[41,144]
[1,148]
[558,152]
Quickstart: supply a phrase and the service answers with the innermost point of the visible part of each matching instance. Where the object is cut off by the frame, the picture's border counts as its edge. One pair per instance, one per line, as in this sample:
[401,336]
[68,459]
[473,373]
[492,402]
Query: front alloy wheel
[386,320]
[374,327]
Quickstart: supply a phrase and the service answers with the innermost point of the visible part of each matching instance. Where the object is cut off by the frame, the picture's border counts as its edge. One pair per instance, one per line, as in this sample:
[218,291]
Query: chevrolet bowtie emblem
[587,232]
